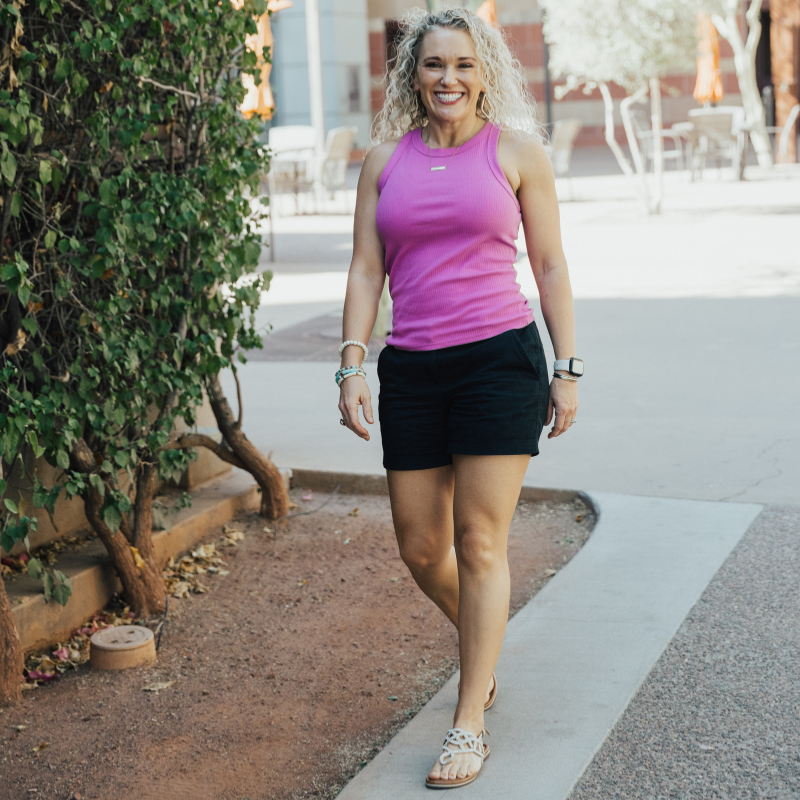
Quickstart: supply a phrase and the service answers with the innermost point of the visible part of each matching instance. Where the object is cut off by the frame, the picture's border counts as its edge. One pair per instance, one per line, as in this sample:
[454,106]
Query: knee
[420,558]
[476,549]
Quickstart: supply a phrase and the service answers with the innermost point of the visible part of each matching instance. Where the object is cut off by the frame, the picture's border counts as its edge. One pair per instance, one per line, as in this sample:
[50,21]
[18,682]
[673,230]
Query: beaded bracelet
[348,372]
[357,344]
[565,377]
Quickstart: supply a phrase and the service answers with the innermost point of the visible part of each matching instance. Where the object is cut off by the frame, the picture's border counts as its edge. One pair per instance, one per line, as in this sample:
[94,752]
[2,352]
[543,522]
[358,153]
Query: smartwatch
[574,366]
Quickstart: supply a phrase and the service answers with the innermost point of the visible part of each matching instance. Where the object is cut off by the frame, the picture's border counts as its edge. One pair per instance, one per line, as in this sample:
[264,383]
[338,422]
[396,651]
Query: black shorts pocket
[530,347]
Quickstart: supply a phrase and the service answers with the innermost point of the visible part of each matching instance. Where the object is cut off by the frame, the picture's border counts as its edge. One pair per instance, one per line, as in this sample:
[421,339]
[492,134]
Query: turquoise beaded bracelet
[347,372]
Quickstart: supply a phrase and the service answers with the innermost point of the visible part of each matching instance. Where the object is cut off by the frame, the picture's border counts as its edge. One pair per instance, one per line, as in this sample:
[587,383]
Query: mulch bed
[290,672]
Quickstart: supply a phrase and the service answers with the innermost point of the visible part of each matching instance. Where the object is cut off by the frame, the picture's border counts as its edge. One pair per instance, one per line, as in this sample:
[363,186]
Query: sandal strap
[460,741]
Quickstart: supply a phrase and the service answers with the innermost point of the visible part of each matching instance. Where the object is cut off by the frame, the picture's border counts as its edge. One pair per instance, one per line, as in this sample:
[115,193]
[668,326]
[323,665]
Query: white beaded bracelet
[357,344]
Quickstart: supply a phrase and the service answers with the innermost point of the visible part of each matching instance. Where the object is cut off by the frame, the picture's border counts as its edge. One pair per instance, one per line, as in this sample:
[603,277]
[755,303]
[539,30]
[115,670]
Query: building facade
[357,40]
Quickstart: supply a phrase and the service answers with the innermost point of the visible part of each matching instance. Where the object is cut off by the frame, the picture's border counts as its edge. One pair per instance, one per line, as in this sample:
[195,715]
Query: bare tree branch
[199,440]
[238,398]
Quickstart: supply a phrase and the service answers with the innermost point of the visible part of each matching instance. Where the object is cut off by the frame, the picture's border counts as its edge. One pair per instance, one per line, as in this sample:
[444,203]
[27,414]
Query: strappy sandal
[492,695]
[456,742]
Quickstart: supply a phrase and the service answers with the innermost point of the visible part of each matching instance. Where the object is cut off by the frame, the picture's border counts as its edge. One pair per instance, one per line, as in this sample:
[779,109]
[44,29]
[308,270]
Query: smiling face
[448,75]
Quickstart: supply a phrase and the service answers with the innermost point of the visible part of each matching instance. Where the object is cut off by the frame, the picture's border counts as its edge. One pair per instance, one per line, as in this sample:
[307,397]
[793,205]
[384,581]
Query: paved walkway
[688,429]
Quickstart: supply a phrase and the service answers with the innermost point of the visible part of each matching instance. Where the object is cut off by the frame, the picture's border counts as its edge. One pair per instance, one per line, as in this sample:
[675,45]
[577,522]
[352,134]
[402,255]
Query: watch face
[576,366]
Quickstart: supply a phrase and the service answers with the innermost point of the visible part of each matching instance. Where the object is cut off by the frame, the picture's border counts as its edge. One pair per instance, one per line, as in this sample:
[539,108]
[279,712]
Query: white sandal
[456,742]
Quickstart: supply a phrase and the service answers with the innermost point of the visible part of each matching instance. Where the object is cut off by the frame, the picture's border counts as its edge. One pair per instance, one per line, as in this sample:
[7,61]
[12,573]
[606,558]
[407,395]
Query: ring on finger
[342,422]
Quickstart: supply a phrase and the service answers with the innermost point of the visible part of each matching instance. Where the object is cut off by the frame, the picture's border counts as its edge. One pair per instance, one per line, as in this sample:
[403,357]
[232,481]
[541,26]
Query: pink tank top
[449,243]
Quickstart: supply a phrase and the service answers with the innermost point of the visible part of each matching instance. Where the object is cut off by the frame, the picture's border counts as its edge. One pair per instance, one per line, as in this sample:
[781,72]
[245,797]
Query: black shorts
[482,398]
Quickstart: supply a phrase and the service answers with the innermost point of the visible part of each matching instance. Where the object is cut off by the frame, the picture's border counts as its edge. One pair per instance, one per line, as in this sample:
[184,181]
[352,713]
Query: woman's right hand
[353,393]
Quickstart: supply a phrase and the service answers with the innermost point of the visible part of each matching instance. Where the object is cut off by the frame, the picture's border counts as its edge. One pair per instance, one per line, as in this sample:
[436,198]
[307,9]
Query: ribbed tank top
[449,242]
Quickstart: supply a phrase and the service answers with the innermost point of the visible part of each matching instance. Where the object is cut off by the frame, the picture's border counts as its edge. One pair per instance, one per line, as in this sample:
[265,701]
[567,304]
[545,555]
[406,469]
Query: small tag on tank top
[434,169]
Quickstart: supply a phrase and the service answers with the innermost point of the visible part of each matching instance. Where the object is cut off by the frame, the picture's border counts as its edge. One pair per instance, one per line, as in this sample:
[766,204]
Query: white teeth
[448,98]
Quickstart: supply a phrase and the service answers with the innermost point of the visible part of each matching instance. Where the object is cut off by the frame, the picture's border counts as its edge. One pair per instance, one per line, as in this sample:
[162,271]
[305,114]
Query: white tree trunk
[658,142]
[744,58]
[633,143]
[611,139]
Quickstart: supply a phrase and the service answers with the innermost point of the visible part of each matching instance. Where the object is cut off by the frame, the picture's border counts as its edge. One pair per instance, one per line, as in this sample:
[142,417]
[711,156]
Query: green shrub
[130,239]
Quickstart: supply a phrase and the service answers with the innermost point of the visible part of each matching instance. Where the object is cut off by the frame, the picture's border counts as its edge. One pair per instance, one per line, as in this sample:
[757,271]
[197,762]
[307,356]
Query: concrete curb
[351,483]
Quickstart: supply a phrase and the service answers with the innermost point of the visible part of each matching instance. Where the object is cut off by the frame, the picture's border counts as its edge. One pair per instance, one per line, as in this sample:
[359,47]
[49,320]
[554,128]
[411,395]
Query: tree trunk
[274,497]
[611,139]
[658,143]
[146,484]
[143,586]
[11,658]
[633,142]
[744,58]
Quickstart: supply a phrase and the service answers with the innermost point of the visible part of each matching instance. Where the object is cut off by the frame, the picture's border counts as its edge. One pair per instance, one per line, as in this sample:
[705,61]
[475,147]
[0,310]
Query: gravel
[718,715]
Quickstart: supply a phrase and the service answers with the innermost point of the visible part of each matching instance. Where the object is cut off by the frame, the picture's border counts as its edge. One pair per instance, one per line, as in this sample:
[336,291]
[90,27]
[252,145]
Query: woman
[457,164]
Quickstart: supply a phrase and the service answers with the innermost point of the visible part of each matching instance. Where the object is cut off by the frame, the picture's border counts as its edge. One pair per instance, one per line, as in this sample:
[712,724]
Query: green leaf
[108,192]
[62,459]
[35,568]
[16,204]
[3,485]
[45,172]
[10,536]
[49,239]
[11,505]
[112,518]
[62,591]
[47,579]
[38,450]
[63,69]
[8,164]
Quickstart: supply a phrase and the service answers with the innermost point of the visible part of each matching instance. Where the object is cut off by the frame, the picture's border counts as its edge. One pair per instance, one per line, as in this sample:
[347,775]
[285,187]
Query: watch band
[567,365]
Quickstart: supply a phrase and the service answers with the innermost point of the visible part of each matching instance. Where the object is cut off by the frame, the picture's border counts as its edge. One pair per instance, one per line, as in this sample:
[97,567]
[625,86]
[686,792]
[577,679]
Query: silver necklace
[430,163]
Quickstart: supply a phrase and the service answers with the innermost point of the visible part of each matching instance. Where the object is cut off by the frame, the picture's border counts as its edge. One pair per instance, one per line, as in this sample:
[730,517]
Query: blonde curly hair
[506,101]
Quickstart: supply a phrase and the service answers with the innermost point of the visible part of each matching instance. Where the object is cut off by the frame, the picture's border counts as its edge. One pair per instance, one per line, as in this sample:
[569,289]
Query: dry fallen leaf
[19,728]
[355,512]
[157,687]
[292,505]
[267,530]
[137,558]
[228,530]
[40,746]
[579,518]
[346,541]
[550,572]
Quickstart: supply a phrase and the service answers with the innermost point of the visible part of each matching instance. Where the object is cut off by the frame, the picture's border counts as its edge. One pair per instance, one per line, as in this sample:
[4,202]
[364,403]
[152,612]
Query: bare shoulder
[376,160]
[528,155]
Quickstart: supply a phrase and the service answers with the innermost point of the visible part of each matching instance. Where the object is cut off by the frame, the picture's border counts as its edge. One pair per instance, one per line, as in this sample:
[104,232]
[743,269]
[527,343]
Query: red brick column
[785,48]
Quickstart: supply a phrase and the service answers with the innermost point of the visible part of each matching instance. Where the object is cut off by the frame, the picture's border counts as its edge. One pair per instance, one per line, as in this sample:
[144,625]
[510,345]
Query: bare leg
[422,510]
[485,494]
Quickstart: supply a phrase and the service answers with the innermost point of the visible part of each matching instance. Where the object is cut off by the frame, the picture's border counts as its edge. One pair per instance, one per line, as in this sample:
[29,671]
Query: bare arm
[541,223]
[364,286]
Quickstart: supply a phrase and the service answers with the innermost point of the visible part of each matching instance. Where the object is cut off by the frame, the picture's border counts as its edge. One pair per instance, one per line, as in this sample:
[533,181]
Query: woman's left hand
[563,404]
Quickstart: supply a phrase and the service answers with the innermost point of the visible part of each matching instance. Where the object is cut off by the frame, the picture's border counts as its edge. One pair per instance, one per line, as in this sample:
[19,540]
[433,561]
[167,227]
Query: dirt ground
[290,673]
